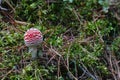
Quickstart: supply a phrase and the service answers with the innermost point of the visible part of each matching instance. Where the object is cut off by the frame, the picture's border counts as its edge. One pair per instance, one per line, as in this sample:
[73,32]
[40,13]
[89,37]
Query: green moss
[77,30]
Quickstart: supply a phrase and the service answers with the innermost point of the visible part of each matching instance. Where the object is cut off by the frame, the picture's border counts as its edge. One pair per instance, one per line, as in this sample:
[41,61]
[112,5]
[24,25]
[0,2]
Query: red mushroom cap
[33,37]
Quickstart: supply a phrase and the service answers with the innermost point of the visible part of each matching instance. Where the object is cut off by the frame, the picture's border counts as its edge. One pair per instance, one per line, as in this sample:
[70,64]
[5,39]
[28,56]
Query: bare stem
[33,51]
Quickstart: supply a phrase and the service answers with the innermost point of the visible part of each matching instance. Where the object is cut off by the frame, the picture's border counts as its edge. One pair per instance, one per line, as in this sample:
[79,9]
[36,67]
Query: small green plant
[105,5]
[76,34]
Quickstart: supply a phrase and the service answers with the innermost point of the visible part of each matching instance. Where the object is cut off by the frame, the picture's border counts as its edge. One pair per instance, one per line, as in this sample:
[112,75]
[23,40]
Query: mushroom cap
[33,37]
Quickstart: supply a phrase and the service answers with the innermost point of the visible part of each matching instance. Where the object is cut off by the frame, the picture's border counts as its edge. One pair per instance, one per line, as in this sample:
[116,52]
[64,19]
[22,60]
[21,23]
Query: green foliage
[105,5]
[70,1]
[28,10]
[55,39]
[10,39]
[76,29]
[116,47]
[102,27]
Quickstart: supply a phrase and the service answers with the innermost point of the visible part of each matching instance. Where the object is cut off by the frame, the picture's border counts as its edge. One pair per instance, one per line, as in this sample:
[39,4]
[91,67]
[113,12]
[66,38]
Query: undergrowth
[81,40]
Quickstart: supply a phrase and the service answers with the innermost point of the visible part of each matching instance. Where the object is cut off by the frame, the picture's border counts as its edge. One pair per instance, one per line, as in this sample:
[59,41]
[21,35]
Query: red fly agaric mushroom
[33,38]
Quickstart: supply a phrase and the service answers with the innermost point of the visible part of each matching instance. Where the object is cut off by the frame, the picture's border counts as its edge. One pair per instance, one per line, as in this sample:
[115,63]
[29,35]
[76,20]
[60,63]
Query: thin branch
[52,50]
[58,72]
[87,71]
[51,59]
[7,74]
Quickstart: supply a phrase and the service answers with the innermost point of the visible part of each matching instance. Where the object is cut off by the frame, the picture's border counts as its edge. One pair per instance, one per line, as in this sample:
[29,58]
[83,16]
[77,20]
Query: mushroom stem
[33,51]
[40,53]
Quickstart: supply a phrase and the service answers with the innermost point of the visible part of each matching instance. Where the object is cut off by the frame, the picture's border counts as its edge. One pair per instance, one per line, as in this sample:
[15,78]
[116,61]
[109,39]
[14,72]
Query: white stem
[40,53]
[33,51]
